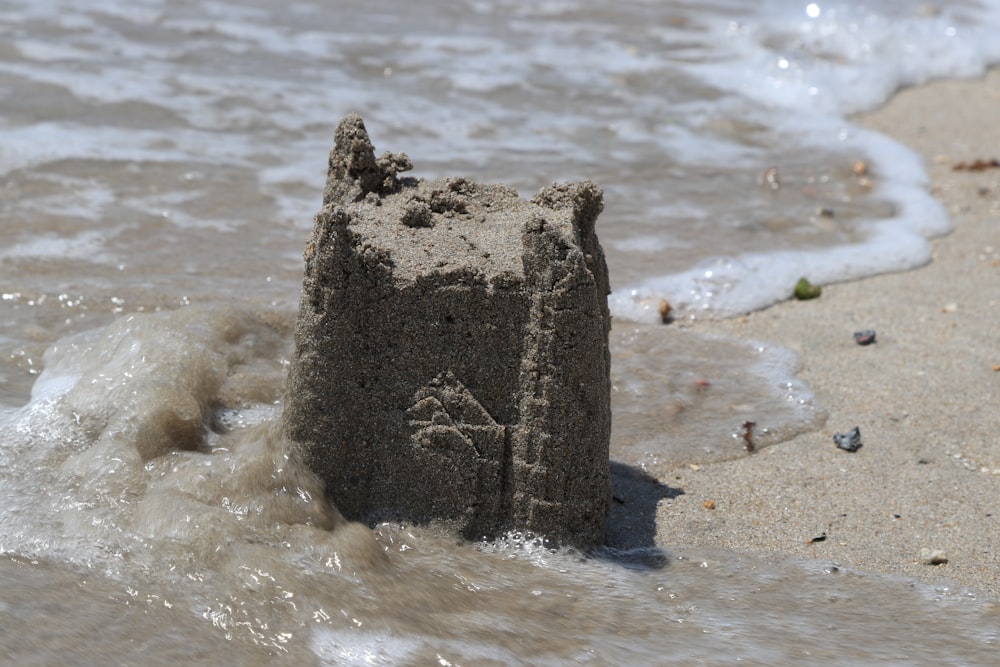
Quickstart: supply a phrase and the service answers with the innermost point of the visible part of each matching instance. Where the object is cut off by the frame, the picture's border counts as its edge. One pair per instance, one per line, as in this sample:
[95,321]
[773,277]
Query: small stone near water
[865,337]
[805,290]
[933,556]
[849,442]
[977,165]
[771,178]
[666,309]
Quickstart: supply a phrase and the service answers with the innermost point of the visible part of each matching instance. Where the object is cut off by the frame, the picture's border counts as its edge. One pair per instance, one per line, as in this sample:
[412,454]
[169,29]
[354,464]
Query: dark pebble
[866,337]
[850,442]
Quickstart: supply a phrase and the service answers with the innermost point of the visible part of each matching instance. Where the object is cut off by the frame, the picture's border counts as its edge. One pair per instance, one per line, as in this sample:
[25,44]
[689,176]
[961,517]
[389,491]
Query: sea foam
[807,70]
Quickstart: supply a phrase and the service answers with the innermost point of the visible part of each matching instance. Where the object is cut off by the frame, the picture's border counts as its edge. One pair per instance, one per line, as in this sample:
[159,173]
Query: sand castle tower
[451,357]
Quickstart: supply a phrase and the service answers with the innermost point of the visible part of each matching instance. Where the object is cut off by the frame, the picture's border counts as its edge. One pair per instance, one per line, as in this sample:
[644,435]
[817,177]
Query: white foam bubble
[361,648]
[727,286]
[736,284]
[842,57]
[802,68]
[87,246]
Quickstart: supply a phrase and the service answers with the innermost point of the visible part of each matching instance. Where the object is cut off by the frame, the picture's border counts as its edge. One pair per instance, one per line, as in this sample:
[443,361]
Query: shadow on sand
[631,527]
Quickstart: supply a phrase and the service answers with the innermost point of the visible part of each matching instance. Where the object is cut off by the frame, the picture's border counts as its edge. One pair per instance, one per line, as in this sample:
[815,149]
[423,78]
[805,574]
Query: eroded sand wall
[452,351]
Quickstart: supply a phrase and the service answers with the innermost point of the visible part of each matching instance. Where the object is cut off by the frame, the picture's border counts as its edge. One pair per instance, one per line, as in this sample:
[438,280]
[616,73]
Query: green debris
[806,290]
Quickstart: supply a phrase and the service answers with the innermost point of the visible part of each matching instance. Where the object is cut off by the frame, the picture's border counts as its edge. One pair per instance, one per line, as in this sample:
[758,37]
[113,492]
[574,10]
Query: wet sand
[925,395]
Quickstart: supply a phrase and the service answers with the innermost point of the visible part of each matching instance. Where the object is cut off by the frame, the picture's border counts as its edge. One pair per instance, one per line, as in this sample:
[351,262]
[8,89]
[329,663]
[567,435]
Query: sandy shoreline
[925,396]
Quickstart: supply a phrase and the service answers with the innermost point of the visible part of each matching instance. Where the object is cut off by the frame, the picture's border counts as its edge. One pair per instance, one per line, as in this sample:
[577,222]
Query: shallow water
[161,163]
[147,513]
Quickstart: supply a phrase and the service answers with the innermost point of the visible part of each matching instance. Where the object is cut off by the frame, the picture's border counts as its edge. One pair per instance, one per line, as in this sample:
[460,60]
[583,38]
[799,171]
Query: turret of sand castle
[451,352]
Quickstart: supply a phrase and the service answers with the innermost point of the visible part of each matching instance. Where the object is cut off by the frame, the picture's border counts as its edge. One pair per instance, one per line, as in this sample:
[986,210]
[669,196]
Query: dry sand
[925,395]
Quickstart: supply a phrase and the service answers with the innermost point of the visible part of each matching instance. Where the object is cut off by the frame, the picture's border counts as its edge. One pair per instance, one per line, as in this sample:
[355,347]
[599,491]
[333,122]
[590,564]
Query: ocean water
[161,164]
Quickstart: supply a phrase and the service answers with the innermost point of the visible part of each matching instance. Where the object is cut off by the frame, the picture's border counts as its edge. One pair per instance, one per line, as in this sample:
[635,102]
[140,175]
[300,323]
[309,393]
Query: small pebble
[665,311]
[805,290]
[709,504]
[933,556]
[865,337]
[771,178]
[850,442]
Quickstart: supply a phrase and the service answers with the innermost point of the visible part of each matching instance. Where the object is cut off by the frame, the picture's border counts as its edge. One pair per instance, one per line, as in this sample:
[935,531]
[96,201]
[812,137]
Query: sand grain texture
[925,396]
[451,351]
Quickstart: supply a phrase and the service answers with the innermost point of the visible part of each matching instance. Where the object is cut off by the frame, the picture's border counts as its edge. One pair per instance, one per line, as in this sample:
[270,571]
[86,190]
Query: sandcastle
[451,352]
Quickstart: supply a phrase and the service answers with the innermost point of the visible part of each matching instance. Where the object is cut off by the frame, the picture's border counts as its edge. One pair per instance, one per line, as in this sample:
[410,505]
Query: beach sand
[925,396]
